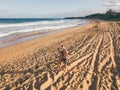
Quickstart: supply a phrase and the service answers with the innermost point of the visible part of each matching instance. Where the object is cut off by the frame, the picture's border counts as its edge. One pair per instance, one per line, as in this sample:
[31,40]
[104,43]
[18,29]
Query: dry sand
[94,55]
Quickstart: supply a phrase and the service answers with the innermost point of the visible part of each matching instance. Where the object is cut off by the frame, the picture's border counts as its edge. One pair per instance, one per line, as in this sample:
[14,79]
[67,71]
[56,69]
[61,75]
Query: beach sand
[94,58]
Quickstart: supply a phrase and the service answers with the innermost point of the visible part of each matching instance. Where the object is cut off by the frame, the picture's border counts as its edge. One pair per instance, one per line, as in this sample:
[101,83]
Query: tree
[110,14]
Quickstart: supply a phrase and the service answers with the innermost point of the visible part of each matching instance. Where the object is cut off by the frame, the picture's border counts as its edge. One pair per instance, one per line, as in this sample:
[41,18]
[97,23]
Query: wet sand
[94,55]
[23,38]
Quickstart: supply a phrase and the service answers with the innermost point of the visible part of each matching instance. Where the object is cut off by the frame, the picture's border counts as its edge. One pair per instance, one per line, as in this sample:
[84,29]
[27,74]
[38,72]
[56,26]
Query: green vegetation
[119,23]
[109,15]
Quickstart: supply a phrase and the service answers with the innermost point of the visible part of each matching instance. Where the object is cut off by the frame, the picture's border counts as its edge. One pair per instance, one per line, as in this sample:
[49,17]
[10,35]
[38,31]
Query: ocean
[16,30]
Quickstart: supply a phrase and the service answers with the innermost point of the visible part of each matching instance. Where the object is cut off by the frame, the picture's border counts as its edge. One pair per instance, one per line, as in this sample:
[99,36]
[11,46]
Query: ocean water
[13,30]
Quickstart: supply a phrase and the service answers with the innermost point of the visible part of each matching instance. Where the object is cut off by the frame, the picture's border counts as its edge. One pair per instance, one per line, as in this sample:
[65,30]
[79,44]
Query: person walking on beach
[63,54]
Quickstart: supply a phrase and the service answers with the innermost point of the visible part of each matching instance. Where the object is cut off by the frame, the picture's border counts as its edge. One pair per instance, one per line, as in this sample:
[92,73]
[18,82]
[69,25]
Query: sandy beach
[94,56]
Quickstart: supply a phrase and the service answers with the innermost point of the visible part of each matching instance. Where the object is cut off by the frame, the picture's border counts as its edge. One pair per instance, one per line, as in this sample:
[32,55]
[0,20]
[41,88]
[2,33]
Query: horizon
[54,9]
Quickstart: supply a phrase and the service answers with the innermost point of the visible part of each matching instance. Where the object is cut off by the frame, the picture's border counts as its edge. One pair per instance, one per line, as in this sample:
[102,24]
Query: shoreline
[22,38]
[93,54]
[30,36]
[9,50]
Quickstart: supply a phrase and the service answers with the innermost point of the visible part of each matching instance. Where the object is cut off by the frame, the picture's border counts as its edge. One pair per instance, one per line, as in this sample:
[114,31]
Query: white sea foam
[44,29]
[42,26]
[32,23]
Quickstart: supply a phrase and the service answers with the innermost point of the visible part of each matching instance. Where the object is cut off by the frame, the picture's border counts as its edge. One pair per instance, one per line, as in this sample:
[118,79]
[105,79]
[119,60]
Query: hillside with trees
[109,15]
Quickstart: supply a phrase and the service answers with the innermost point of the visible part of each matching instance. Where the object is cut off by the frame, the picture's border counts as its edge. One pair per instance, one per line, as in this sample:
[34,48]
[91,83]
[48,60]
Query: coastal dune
[94,58]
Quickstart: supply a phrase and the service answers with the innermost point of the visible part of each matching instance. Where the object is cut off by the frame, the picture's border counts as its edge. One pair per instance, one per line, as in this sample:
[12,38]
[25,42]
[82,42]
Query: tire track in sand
[93,64]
